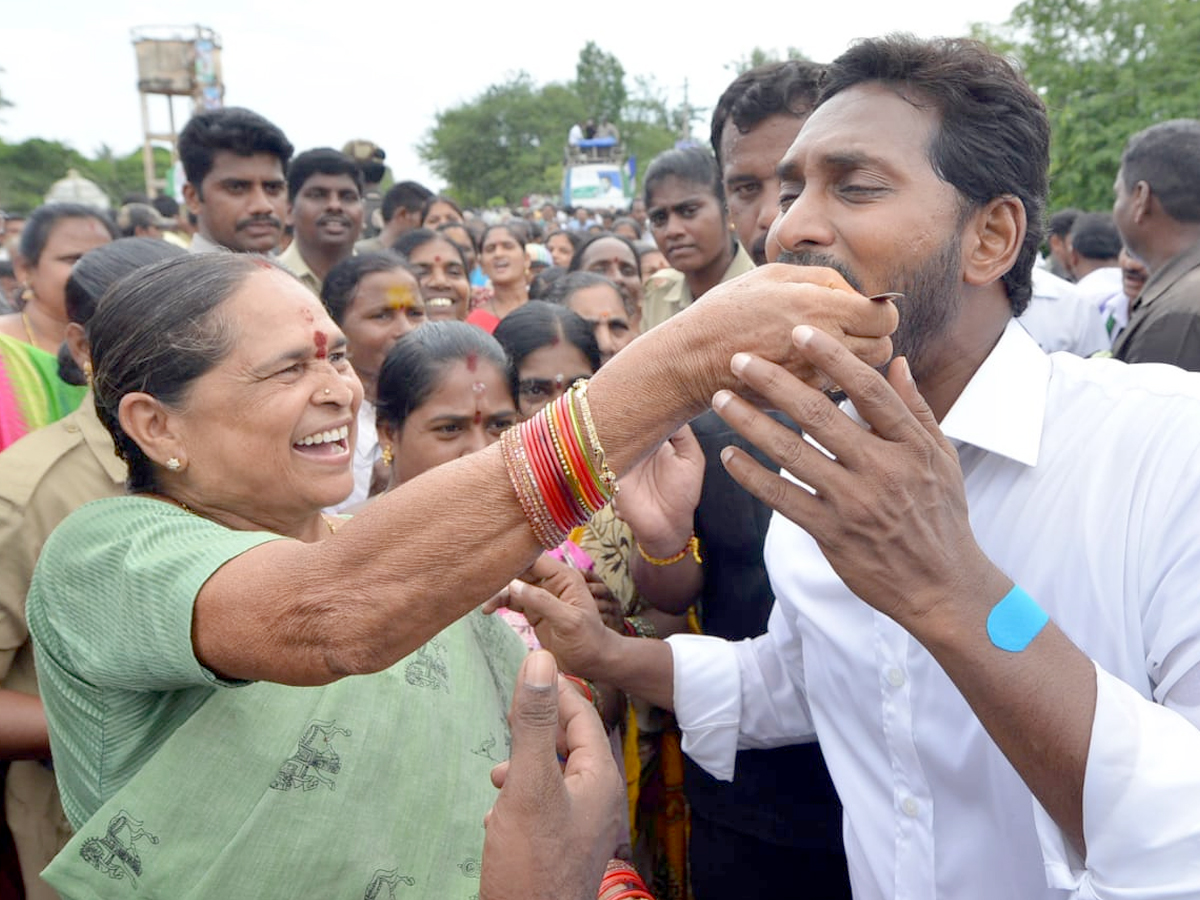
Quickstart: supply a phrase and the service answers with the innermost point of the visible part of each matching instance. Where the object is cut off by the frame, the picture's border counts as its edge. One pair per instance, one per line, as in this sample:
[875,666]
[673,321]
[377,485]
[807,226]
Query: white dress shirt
[1083,479]
[1104,288]
[1060,318]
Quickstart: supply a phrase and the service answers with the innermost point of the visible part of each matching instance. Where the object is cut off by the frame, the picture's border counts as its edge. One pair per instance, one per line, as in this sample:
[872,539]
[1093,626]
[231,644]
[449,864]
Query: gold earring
[387,454]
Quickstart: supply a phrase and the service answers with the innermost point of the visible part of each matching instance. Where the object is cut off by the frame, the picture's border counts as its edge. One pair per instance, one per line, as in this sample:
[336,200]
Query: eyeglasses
[543,390]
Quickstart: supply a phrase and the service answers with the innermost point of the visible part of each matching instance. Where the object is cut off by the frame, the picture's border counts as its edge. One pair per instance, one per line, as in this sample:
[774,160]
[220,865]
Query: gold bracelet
[692,547]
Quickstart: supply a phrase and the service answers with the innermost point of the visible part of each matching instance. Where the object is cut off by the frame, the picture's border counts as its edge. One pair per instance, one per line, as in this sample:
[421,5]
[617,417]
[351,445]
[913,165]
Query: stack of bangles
[590,692]
[557,467]
[622,882]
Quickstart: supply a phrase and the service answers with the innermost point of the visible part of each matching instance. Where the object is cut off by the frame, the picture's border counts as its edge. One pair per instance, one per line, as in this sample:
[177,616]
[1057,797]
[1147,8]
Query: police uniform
[43,477]
[666,293]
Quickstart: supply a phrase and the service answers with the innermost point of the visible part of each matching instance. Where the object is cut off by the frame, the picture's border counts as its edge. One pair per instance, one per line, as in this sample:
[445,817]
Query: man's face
[1123,216]
[749,162]
[242,202]
[858,194]
[637,212]
[327,214]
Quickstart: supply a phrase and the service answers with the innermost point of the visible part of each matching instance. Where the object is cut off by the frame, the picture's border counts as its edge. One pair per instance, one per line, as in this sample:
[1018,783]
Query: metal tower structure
[174,61]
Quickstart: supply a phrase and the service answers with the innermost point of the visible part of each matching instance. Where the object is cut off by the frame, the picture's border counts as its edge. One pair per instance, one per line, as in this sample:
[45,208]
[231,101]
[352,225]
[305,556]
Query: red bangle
[575,454]
[639,893]
[548,475]
[583,687]
[570,465]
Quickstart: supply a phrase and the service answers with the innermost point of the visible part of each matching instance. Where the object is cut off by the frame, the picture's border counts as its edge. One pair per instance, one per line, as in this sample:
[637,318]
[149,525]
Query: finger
[498,600]
[875,352]
[785,497]
[900,378]
[499,773]
[543,567]
[586,741]
[534,723]
[873,397]
[782,445]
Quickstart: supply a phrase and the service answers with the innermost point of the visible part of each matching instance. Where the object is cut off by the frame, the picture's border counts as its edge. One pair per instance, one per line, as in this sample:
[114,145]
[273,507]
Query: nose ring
[326,392]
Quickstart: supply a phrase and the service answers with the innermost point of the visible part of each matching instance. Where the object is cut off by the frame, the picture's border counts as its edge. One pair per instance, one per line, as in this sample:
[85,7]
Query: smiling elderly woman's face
[269,431]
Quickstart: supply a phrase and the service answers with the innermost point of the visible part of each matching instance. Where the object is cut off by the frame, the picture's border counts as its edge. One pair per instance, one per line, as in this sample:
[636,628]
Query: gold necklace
[28,328]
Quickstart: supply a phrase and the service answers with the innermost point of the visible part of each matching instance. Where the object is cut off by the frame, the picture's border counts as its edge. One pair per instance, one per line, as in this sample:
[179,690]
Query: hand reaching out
[659,496]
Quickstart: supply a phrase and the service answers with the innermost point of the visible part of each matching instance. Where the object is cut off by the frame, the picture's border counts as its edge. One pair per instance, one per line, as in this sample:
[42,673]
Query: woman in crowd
[597,301]
[31,392]
[226,388]
[617,260]
[562,246]
[502,256]
[685,202]
[651,259]
[549,348]
[45,476]
[375,300]
[441,269]
[438,211]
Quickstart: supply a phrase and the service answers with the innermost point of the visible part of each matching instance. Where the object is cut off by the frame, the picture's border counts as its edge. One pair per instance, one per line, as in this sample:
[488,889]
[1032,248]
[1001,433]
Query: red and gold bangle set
[557,467]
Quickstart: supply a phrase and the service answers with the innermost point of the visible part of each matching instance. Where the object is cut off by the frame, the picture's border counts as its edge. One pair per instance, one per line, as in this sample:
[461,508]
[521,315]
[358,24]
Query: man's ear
[1141,199]
[152,427]
[992,239]
[191,196]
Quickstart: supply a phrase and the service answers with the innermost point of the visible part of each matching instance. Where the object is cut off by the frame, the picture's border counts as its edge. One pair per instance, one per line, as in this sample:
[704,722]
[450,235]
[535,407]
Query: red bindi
[478,417]
[472,362]
[321,341]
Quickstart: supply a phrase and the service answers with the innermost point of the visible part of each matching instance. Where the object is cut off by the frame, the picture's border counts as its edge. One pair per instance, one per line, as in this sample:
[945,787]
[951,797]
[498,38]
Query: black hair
[787,88]
[337,292]
[321,161]
[43,220]
[544,282]
[694,165]
[582,248]
[572,236]
[439,198]
[157,330]
[516,234]
[1167,157]
[403,195]
[565,288]
[233,128]
[416,363]
[448,226]
[539,324]
[1095,236]
[166,205]
[1059,224]
[96,271]
[994,136]
[419,237]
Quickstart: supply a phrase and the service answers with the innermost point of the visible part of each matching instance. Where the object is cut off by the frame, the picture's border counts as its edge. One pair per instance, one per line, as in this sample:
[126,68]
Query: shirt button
[895,677]
[910,807]
[71,427]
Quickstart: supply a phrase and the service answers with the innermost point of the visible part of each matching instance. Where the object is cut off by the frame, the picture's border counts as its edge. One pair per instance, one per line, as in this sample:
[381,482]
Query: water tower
[175,62]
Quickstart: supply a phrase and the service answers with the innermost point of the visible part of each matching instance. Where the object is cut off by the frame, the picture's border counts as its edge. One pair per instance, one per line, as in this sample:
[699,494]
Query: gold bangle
[691,547]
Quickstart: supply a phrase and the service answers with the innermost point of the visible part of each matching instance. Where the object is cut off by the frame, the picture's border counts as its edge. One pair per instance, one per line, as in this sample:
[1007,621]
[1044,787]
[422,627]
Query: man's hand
[554,826]
[659,496]
[889,511]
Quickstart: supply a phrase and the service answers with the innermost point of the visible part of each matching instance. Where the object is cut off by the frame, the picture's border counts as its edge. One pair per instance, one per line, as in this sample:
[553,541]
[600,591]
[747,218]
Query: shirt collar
[1003,407]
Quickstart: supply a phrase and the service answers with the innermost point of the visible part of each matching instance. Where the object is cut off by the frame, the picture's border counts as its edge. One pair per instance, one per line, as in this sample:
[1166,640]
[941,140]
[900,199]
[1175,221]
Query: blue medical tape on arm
[1015,621]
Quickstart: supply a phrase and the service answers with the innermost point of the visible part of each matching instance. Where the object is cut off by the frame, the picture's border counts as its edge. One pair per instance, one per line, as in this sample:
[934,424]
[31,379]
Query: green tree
[1106,69]
[28,169]
[760,57]
[649,125]
[600,83]
[508,142]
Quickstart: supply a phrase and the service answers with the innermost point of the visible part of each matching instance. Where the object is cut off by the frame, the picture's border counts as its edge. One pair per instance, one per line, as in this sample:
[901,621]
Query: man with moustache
[1004,674]
[780,815]
[235,160]
[325,210]
[754,123]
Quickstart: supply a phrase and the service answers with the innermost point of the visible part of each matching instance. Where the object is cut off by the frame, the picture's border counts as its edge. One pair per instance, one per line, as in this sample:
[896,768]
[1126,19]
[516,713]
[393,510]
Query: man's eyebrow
[789,170]
[743,178]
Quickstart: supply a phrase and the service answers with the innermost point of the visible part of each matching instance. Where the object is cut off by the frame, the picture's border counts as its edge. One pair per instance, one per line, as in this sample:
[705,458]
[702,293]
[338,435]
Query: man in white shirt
[984,744]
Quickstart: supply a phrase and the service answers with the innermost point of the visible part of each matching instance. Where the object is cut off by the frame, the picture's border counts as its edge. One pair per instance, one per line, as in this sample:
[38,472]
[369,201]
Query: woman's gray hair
[156,331]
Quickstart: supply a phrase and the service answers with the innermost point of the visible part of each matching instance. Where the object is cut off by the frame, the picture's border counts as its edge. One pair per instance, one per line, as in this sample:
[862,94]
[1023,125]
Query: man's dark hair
[994,137]
[1094,236]
[407,195]
[321,161]
[166,206]
[234,129]
[1059,224]
[788,88]
[694,165]
[1167,157]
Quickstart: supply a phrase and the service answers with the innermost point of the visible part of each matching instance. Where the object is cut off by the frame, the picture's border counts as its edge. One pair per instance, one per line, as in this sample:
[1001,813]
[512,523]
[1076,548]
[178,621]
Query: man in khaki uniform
[43,477]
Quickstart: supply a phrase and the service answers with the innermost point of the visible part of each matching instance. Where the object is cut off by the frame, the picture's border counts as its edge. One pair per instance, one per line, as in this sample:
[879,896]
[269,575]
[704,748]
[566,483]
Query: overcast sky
[327,72]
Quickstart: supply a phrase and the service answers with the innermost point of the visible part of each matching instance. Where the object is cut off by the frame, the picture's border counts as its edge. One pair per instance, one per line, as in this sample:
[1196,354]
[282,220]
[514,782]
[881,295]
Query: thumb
[534,720]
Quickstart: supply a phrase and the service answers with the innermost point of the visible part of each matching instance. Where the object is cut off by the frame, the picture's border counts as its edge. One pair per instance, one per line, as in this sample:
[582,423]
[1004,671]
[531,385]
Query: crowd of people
[799,531]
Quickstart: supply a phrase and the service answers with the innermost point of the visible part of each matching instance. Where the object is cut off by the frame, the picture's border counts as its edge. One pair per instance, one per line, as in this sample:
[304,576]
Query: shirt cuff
[1140,796]
[707,700]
